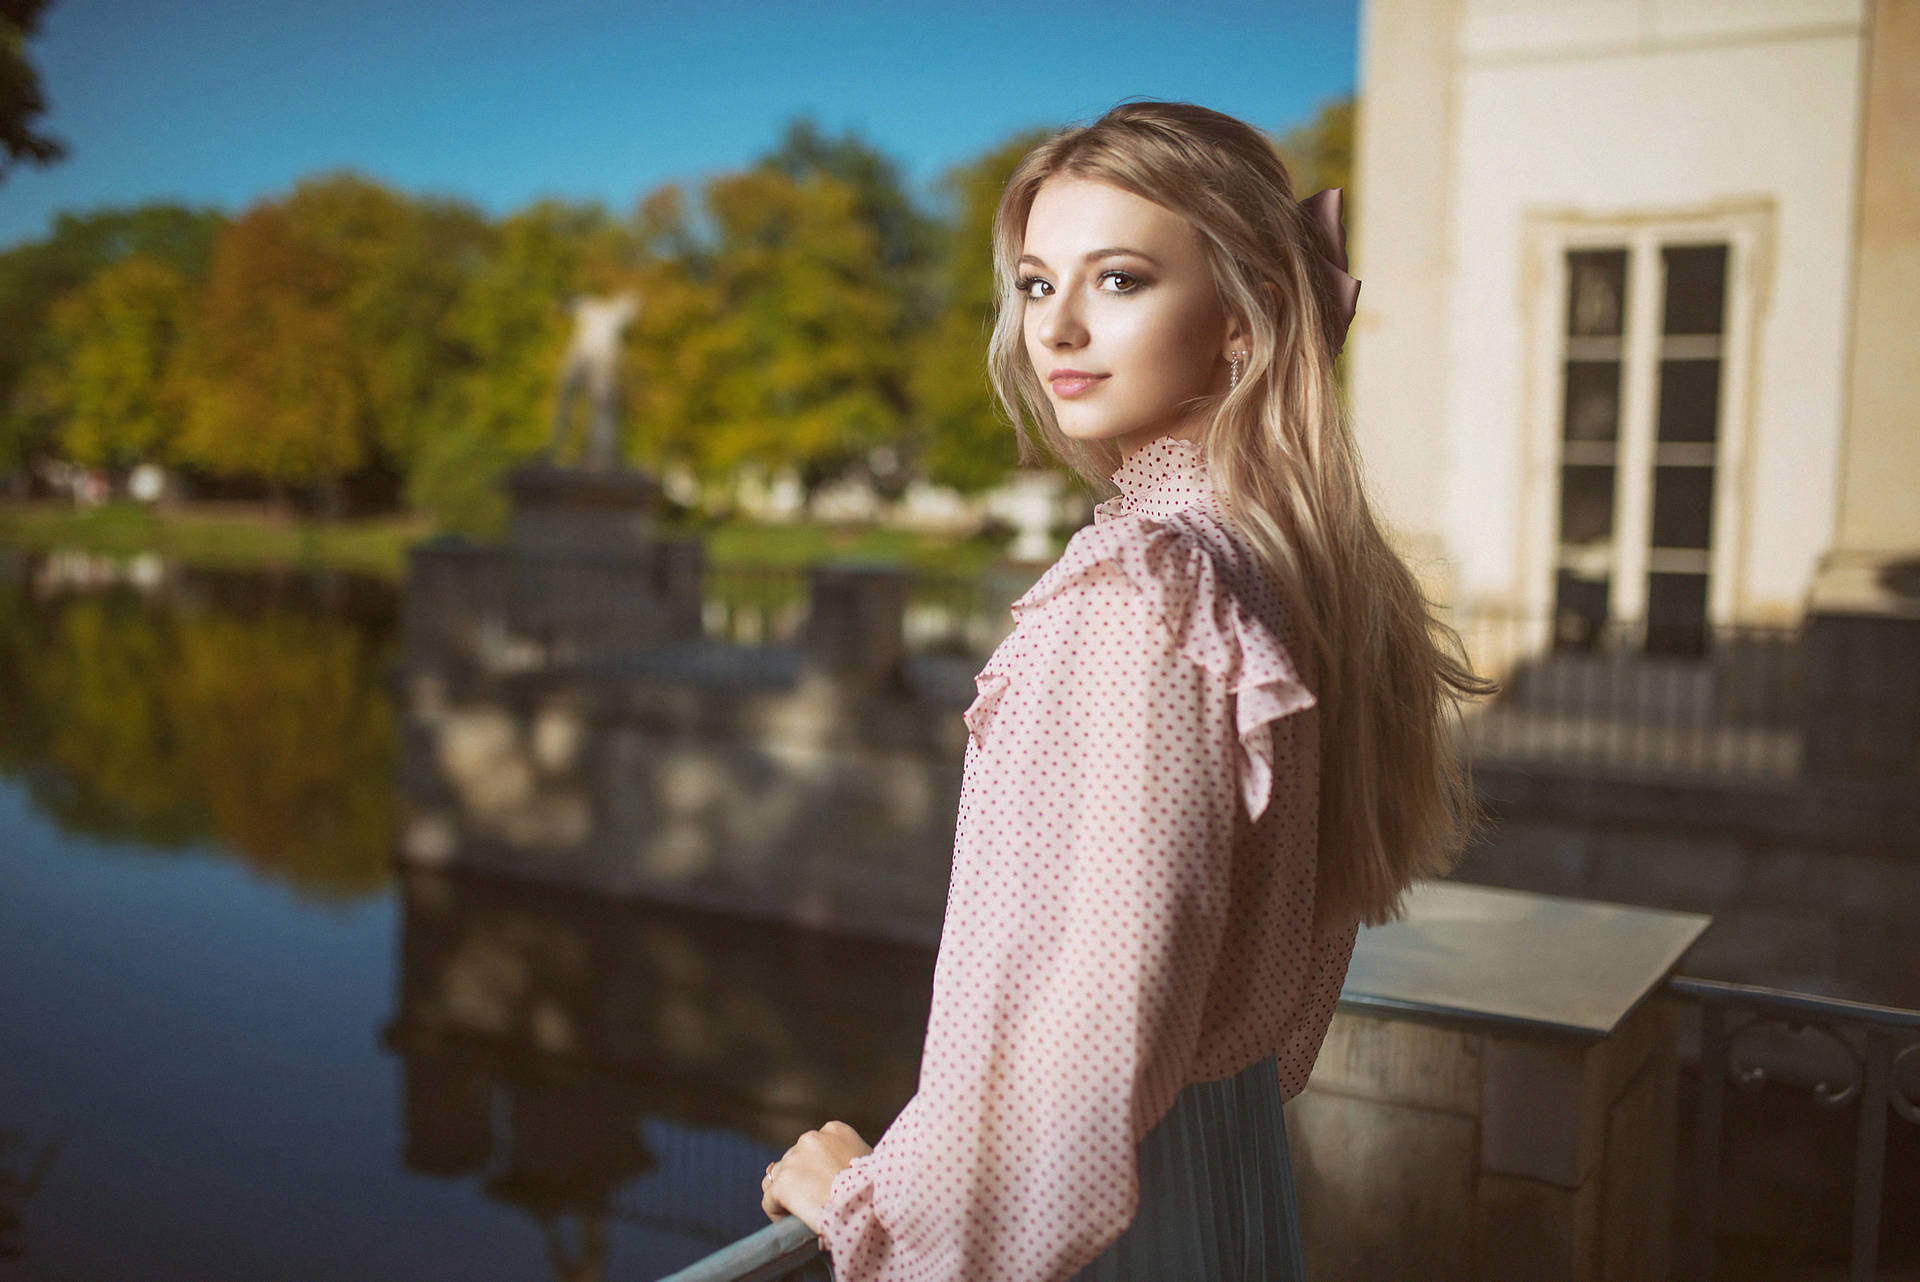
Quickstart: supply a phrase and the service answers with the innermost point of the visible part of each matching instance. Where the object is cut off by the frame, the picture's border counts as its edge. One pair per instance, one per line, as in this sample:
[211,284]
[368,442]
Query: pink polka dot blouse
[1131,903]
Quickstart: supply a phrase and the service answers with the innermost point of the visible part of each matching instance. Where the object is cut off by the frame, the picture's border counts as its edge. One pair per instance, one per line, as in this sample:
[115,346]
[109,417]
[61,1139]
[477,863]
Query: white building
[1639,337]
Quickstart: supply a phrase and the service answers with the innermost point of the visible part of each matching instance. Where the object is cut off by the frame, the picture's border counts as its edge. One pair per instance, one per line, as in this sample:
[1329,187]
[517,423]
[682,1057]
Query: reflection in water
[242,709]
[585,1088]
[555,1042]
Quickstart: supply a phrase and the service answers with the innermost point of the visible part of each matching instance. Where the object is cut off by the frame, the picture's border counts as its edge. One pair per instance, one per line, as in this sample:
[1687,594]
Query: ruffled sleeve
[1180,586]
[1118,745]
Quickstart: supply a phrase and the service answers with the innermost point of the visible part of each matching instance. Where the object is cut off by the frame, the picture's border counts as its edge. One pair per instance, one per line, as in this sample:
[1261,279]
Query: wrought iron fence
[945,613]
[1730,705]
[1872,1064]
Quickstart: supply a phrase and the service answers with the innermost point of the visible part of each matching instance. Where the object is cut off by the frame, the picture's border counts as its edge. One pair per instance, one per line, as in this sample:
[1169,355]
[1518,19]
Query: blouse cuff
[847,1218]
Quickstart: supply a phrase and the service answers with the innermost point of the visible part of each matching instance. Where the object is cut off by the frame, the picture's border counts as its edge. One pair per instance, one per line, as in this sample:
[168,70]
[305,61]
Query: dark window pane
[1586,504]
[1682,507]
[1696,288]
[1592,411]
[1596,291]
[1579,611]
[1677,613]
[1690,400]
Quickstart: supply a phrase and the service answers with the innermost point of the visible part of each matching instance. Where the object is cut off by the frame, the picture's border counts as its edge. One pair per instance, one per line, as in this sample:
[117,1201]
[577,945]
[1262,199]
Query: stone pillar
[1496,1098]
[855,633]
[1456,1156]
[588,574]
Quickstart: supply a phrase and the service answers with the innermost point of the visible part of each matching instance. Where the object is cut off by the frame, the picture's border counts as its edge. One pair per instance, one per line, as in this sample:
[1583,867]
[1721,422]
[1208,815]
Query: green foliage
[405,265]
[107,373]
[34,276]
[322,344]
[21,98]
[273,386]
[962,439]
[504,333]
[803,312]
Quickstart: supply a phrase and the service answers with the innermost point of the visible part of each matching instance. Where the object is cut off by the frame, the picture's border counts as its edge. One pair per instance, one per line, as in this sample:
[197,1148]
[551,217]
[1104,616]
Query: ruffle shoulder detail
[989,684]
[1180,585]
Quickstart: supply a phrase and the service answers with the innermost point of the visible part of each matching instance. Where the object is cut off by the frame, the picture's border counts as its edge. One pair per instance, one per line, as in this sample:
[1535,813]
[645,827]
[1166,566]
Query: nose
[1061,325]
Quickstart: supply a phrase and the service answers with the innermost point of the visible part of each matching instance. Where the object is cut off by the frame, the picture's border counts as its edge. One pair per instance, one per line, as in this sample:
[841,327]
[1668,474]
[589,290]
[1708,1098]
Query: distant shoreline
[241,535]
[229,535]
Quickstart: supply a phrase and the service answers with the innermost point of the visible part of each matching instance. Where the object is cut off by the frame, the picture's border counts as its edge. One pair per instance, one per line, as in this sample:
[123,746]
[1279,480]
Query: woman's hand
[799,1182]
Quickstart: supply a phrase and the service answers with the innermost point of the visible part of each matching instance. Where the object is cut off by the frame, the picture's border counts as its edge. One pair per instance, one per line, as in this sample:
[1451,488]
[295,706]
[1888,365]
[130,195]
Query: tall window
[1636,497]
[1590,442]
[1685,442]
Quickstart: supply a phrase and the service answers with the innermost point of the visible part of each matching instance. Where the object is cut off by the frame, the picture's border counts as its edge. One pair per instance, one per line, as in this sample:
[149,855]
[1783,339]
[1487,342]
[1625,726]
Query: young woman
[1215,741]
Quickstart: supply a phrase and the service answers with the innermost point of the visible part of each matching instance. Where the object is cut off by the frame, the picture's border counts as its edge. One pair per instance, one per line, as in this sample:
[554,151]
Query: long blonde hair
[1395,798]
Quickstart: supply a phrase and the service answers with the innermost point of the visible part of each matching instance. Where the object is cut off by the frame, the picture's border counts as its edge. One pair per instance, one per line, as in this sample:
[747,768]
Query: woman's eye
[1122,283]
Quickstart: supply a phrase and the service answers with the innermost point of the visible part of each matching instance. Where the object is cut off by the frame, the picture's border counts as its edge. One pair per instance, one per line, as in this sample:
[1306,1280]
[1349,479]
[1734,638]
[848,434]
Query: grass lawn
[248,535]
[793,545]
[225,536]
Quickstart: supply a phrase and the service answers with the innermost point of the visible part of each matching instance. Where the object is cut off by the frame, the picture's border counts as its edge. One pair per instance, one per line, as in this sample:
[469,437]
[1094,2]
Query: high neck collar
[1166,475]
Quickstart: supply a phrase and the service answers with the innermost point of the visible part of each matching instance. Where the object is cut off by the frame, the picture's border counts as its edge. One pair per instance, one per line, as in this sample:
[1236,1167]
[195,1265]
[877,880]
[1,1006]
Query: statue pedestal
[587,572]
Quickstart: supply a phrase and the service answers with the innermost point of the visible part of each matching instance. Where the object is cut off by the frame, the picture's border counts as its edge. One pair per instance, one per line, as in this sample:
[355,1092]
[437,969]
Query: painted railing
[1879,1053]
[1879,1045]
[785,1249]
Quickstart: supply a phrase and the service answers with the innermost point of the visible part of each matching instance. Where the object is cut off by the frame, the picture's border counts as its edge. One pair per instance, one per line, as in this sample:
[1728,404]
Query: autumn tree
[272,385]
[805,319]
[107,373]
[322,343]
[36,275]
[404,266]
[909,242]
[960,437]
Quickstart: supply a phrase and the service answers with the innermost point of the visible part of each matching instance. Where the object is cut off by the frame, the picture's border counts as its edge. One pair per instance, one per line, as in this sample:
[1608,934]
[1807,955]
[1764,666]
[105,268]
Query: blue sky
[504,101]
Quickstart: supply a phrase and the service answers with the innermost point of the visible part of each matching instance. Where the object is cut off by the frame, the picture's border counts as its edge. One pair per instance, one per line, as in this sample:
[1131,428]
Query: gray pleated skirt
[1216,1191]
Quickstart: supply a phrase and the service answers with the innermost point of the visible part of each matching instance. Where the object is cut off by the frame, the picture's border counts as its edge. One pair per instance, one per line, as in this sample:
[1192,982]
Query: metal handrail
[763,1256]
[1889,1039]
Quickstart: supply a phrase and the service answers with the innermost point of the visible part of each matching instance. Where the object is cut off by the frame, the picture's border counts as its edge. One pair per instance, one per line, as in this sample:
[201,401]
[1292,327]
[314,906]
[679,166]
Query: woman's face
[1122,322]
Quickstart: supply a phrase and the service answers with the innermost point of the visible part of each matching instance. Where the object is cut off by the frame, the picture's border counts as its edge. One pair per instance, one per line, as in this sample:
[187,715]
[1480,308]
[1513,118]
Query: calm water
[233,1044]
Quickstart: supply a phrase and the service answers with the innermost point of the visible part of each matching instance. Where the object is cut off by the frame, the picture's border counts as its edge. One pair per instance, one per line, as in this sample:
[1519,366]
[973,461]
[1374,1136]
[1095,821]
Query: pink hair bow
[1323,210]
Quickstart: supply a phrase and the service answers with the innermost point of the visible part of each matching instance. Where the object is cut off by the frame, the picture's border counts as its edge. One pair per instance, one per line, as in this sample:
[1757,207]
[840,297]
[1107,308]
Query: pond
[237,1042]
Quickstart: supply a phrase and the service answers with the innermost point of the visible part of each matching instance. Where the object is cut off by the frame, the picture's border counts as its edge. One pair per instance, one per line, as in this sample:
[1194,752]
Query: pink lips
[1072,382]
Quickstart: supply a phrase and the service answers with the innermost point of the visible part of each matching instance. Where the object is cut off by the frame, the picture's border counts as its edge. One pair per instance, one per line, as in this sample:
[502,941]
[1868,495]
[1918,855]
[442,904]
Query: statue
[592,361]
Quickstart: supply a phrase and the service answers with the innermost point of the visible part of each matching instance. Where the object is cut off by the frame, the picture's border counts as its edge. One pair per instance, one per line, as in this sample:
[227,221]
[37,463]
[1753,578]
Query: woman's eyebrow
[1115,251]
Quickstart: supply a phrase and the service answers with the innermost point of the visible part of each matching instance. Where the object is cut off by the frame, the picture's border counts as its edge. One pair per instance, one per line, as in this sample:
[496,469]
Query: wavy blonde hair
[1395,798]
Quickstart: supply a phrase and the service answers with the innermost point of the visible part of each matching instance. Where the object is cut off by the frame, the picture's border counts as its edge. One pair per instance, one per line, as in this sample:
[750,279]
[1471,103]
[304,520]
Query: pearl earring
[1233,371]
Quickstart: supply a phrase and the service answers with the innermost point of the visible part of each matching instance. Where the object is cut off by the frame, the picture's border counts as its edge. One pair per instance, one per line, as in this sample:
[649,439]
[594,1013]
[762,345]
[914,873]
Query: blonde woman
[1214,743]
